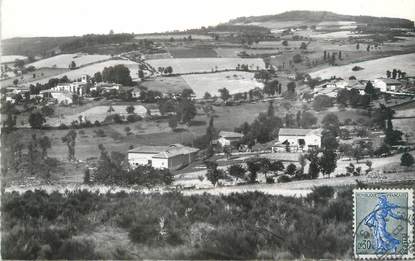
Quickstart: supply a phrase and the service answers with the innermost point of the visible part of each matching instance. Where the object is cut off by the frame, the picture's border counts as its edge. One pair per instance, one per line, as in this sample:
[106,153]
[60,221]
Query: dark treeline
[37,225]
[94,39]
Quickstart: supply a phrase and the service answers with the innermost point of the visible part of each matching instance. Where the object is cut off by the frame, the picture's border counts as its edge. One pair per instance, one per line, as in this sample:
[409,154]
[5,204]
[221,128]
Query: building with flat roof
[292,140]
[171,157]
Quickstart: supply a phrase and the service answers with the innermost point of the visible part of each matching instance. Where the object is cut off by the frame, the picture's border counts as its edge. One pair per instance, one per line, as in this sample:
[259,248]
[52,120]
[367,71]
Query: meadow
[191,52]
[188,65]
[372,68]
[93,68]
[97,113]
[42,73]
[12,58]
[64,60]
[235,82]
[174,36]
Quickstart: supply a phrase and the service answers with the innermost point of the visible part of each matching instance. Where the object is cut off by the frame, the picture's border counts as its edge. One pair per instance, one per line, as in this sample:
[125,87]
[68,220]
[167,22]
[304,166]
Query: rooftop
[164,152]
[230,134]
[298,132]
[390,81]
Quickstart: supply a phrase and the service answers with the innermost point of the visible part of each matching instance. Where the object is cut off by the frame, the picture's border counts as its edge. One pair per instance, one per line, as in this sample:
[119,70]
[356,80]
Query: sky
[26,18]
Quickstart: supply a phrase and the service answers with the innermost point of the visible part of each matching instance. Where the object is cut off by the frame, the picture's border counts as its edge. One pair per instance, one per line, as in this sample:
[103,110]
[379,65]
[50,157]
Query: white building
[387,84]
[297,140]
[162,157]
[78,88]
[228,138]
[105,87]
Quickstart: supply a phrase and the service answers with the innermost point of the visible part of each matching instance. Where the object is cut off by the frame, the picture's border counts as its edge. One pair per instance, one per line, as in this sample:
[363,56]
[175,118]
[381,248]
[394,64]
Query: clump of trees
[113,169]
[317,225]
[117,74]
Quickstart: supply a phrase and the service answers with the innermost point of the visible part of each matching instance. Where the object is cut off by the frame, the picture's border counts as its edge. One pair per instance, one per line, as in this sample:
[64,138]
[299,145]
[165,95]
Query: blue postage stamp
[383,223]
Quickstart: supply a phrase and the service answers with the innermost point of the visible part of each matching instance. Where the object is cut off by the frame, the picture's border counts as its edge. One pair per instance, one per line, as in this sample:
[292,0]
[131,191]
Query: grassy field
[372,69]
[235,82]
[166,84]
[12,58]
[92,69]
[42,73]
[97,113]
[193,52]
[187,65]
[64,60]
[174,36]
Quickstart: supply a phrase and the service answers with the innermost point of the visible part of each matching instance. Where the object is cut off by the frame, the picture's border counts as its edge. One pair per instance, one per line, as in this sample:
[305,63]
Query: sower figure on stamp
[377,221]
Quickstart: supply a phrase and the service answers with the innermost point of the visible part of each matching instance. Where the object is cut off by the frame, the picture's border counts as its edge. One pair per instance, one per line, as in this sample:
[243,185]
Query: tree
[357,46]
[36,120]
[329,141]
[343,96]
[291,87]
[388,74]
[117,74]
[98,77]
[328,162]
[237,171]
[186,111]
[291,169]
[110,109]
[127,130]
[314,167]
[253,168]
[297,58]
[285,43]
[45,144]
[407,159]
[224,94]
[276,166]
[141,74]
[173,122]
[47,111]
[307,120]
[19,63]
[70,140]
[213,174]
[303,46]
[87,177]
[322,102]
[370,90]
[331,123]
[271,111]
[207,95]
[302,159]
[130,109]
[72,65]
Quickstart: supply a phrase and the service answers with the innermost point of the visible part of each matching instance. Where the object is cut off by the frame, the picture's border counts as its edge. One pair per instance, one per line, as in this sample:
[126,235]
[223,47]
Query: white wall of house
[136,159]
[309,140]
[62,97]
[381,85]
[160,163]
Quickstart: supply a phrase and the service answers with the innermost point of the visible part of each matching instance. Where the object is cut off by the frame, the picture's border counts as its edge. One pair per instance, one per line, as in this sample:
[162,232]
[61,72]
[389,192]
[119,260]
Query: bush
[97,124]
[297,58]
[270,180]
[63,127]
[134,118]
[283,179]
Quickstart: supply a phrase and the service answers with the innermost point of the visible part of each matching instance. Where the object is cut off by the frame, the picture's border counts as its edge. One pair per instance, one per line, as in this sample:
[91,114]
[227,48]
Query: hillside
[322,16]
[32,46]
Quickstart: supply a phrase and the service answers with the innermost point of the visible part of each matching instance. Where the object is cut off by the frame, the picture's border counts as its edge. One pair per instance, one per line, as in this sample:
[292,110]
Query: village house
[105,87]
[229,138]
[387,84]
[171,157]
[356,85]
[293,140]
[78,88]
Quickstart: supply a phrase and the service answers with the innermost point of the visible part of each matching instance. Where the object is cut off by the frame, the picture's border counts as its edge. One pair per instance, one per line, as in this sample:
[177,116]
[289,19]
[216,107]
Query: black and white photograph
[207,130]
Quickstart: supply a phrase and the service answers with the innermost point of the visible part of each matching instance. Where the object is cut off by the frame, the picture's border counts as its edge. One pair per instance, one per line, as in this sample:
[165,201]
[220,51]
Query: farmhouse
[356,85]
[228,138]
[61,97]
[78,88]
[387,84]
[105,87]
[292,140]
[170,157]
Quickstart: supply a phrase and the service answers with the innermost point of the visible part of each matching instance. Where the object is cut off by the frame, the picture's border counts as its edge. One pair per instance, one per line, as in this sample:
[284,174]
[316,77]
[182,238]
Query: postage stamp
[383,223]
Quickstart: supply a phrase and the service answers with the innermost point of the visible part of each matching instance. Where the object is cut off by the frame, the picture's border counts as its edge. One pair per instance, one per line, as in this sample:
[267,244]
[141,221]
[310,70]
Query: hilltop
[323,16]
